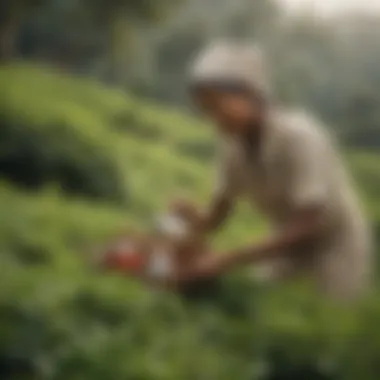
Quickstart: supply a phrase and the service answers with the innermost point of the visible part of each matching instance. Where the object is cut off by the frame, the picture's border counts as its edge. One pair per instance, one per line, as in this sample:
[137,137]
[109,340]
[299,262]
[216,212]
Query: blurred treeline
[96,137]
[330,64]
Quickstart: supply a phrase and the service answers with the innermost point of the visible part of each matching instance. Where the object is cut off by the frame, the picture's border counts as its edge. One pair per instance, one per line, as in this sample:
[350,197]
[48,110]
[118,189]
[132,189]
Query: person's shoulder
[298,125]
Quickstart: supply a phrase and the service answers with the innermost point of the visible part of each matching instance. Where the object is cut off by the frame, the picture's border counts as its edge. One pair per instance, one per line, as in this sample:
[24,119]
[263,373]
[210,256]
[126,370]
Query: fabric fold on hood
[232,62]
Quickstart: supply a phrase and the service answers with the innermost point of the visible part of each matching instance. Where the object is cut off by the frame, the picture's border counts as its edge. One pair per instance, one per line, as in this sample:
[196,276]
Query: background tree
[12,15]
[118,19]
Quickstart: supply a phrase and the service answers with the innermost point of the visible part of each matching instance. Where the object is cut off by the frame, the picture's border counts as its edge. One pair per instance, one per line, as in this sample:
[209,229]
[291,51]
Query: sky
[333,6]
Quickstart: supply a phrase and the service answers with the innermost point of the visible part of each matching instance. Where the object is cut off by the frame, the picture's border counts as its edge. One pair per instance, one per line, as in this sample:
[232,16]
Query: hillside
[124,147]
[79,162]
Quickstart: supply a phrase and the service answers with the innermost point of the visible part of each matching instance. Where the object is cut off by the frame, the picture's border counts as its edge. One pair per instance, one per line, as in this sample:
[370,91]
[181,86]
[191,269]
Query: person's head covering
[231,63]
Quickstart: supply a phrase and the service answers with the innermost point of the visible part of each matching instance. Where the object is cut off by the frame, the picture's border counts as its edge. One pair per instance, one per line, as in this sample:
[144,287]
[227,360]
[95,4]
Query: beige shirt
[298,166]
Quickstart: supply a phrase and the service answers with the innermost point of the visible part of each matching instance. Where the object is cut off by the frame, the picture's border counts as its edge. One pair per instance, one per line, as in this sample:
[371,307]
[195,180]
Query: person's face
[233,112]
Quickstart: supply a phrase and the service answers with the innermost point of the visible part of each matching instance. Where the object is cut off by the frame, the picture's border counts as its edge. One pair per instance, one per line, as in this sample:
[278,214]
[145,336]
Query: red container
[124,258]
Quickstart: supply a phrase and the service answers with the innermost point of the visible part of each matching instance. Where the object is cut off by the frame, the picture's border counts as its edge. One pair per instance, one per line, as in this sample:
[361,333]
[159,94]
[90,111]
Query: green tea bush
[44,141]
[129,124]
[33,159]
[199,149]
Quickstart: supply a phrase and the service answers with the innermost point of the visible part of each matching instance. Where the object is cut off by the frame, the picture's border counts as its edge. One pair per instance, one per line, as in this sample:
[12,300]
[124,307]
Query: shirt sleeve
[308,170]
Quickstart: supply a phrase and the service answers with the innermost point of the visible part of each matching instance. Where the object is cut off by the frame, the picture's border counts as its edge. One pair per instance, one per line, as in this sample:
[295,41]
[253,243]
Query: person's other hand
[186,209]
[207,266]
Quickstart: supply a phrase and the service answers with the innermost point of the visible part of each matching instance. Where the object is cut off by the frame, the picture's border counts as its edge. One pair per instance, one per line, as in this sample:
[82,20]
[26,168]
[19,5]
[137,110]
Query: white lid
[160,264]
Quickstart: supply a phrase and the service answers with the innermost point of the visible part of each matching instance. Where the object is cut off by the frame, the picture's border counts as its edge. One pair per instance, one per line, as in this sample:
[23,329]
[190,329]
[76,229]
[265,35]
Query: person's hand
[186,209]
[209,265]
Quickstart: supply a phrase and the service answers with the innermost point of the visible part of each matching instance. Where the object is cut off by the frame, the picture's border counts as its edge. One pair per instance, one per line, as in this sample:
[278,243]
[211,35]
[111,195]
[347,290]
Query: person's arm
[305,226]
[213,218]
[222,202]
[307,187]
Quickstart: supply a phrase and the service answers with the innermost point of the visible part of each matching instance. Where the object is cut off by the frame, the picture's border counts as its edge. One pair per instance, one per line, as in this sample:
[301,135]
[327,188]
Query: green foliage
[47,136]
[61,319]
[132,9]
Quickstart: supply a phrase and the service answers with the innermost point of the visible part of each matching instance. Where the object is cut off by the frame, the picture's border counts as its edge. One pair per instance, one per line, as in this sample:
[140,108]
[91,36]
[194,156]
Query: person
[288,165]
